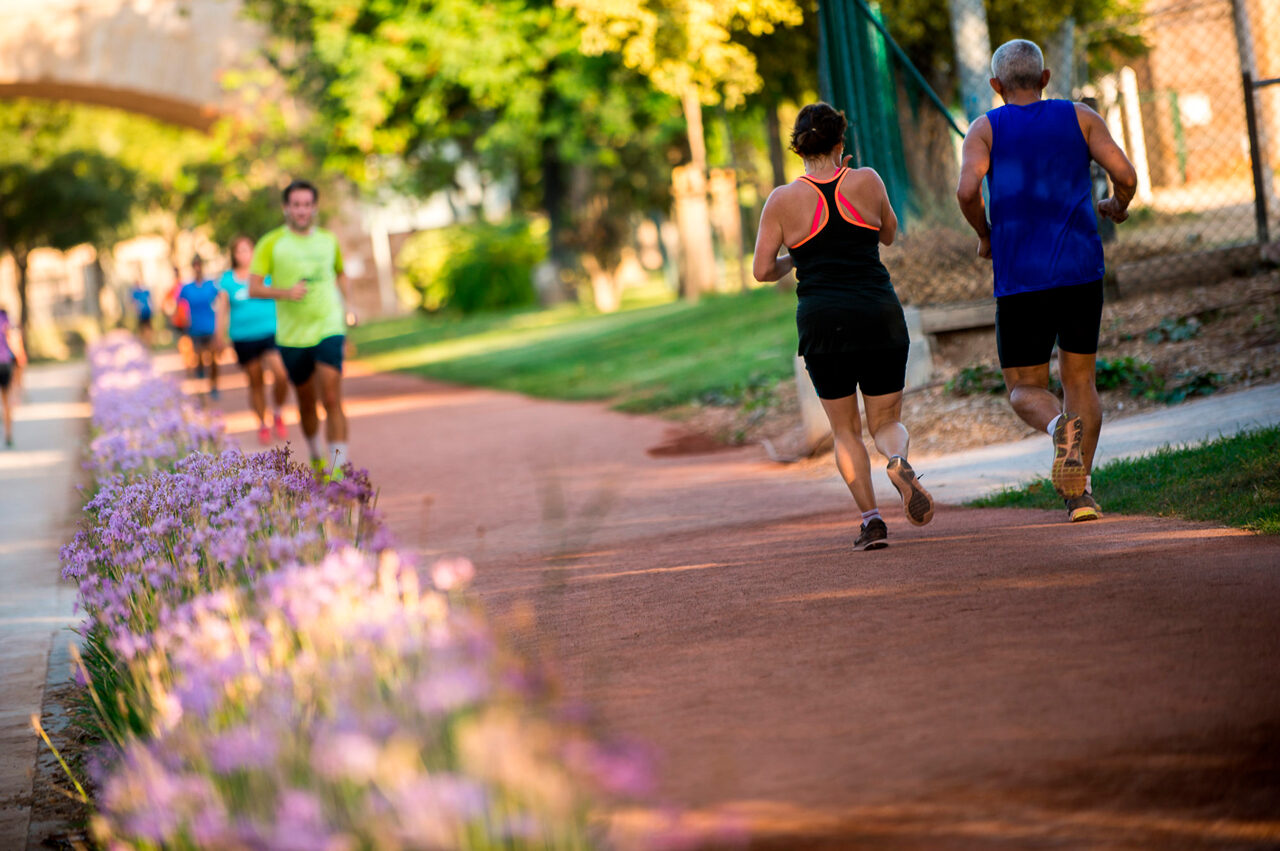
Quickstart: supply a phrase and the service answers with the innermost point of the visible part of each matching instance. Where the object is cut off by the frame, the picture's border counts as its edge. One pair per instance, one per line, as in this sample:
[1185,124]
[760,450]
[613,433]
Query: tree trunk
[551,290]
[973,55]
[20,260]
[689,187]
[773,128]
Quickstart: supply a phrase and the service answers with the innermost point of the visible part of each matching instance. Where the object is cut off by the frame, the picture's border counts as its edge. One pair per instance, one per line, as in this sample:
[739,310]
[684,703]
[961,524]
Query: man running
[310,288]
[1047,257]
[199,297]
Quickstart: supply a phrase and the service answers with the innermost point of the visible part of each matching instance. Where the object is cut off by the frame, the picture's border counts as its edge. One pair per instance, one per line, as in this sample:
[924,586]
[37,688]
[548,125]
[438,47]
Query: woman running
[12,358]
[250,323]
[852,331]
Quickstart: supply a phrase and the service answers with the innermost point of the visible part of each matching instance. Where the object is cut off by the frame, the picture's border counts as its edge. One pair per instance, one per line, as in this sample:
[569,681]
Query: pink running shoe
[281,432]
[264,435]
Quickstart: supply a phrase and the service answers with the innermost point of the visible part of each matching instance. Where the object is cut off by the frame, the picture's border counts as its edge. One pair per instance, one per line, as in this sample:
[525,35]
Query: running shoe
[916,501]
[1083,507]
[264,435]
[281,432]
[1068,473]
[872,536]
[318,467]
[213,394]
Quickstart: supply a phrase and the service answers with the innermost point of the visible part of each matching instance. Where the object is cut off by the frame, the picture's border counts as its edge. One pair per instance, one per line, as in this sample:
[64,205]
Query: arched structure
[162,58]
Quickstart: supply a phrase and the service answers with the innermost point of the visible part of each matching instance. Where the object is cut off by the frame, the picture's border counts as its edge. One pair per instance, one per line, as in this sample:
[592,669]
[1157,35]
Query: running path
[999,679]
[38,508]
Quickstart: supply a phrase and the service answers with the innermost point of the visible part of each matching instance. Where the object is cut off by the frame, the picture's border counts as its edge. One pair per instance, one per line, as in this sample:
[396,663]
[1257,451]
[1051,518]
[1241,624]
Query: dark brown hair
[236,240]
[300,185]
[819,128]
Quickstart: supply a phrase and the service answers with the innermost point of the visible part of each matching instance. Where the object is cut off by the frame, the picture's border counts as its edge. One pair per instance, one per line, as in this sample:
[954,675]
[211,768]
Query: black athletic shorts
[248,351]
[300,363]
[877,371]
[1028,324]
[6,375]
[202,341]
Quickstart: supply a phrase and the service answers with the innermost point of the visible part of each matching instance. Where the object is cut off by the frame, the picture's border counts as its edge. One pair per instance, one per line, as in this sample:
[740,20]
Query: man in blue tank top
[1046,253]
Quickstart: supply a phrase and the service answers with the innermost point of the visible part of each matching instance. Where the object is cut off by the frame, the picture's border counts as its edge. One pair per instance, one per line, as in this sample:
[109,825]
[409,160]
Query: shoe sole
[916,501]
[1067,473]
[874,545]
[1080,515]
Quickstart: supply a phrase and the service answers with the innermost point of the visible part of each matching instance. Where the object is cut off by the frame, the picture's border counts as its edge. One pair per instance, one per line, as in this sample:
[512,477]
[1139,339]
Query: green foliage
[641,358]
[470,268]
[1141,378]
[976,380]
[75,197]
[1234,480]
[1171,330]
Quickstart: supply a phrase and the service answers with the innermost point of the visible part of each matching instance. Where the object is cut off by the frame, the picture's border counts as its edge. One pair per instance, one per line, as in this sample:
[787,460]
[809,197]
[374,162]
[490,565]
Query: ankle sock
[1053,423]
[873,514]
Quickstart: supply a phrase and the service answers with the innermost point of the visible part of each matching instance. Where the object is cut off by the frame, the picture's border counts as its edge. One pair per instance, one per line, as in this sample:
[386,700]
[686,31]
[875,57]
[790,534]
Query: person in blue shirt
[1046,253]
[199,296]
[141,298]
[250,325]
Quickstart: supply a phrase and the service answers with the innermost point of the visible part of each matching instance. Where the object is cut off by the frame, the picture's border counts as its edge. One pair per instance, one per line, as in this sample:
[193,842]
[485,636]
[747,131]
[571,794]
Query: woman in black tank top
[850,323]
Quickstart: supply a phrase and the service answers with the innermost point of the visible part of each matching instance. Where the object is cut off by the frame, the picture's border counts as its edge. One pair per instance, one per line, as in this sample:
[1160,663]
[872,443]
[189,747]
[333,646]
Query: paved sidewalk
[966,475]
[37,504]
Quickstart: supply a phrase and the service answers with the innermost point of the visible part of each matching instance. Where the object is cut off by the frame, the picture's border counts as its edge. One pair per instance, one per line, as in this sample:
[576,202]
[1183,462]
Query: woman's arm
[888,218]
[766,265]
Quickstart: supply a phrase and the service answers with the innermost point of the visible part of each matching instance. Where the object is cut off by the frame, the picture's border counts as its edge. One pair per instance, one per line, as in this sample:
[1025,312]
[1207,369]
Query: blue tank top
[1044,232]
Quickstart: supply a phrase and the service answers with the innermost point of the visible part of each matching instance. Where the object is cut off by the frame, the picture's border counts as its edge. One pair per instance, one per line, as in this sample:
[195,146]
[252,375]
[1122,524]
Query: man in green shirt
[307,281]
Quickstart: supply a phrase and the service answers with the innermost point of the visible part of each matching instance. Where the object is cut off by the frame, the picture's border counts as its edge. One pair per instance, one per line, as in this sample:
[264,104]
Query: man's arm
[259,289]
[766,265]
[974,164]
[1109,155]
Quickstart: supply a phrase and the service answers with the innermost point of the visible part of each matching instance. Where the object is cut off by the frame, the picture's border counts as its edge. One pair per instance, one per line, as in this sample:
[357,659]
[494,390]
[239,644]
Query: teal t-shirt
[287,258]
[251,318]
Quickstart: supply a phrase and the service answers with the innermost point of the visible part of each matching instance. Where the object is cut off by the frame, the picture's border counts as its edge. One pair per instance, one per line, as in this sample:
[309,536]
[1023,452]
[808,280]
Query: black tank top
[846,300]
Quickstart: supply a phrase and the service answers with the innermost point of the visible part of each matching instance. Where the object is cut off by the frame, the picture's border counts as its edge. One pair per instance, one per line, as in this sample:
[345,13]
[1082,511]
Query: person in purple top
[12,358]
[200,297]
[1046,253]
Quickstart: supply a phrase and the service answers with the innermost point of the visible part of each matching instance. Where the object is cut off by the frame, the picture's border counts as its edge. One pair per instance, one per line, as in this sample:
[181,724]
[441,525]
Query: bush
[976,380]
[470,268]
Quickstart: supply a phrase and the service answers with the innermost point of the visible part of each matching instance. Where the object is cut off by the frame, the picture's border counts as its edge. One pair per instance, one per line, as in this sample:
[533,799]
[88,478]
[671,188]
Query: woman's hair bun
[819,127]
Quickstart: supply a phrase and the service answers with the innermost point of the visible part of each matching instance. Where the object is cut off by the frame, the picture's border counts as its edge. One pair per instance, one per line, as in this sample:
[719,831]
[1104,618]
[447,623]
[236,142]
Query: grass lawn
[1235,481]
[653,354]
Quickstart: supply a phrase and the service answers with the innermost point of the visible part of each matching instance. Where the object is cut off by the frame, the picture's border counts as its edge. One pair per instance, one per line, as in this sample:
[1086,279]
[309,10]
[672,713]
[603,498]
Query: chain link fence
[1178,108]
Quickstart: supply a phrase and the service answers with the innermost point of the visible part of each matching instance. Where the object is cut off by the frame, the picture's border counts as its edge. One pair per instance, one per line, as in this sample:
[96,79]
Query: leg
[271,363]
[8,414]
[307,415]
[1029,394]
[852,459]
[329,389]
[884,421]
[1080,389]
[257,389]
[213,368]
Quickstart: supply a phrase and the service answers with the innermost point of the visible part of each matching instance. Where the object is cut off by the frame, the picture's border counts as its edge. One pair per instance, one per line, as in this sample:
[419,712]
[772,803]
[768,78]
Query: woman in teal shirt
[250,324]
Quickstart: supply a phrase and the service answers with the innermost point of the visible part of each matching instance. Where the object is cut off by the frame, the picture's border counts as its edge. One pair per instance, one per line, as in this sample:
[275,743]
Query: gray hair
[1018,64]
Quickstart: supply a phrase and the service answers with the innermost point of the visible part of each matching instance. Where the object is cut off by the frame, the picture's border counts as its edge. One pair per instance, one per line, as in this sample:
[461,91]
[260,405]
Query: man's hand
[1111,208]
[297,292]
[984,247]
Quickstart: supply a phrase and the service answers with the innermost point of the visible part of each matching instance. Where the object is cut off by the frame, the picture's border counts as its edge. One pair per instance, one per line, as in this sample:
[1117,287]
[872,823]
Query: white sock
[313,445]
[1088,484]
[1053,423]
[337,455]
[873,514]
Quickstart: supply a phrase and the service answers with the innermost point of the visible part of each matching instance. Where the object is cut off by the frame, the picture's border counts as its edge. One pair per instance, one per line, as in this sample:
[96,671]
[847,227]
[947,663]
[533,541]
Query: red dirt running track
[997,679]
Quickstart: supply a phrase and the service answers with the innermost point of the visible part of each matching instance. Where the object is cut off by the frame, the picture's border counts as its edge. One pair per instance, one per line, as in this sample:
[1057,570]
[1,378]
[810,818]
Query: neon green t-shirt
[287,258]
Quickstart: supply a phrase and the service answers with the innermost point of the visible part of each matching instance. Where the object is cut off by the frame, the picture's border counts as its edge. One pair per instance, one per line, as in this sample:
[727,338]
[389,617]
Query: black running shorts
[6,375]
[248,351]
[300,363]
[1028,324]
[878,372]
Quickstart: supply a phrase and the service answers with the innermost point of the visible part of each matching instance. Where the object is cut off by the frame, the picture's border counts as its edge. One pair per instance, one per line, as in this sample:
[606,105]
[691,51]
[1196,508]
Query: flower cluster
[269,674]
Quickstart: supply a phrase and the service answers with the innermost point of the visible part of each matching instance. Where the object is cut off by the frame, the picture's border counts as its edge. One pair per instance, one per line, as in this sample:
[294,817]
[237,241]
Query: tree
[687,48]
[416,93]
[78,197]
